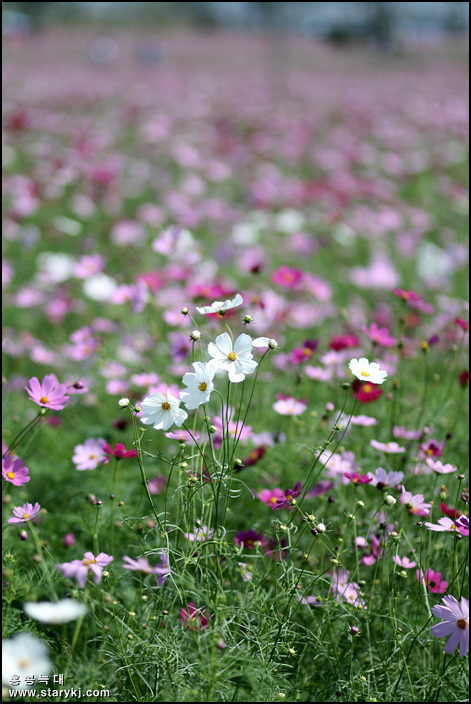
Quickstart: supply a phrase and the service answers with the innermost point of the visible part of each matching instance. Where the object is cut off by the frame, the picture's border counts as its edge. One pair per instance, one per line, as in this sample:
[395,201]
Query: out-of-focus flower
[440,468]
[23,656]
[55,612]
[90,454]
[289,406]
[366,393]
[404,562]
[456,623]
[380,336]
[270,496]
[142,565]
[250,539]
[357,478]
[445,525]
[200,535]
[390,448]
[221,306]
[79,569]
[382,479]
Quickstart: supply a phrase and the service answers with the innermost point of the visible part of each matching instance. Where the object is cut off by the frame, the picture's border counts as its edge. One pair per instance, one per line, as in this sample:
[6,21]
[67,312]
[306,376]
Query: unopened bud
[354,630]
[184,311]
[272,344]
[321,528]
[389,500]
[195,335]
[248,319]
[123,402]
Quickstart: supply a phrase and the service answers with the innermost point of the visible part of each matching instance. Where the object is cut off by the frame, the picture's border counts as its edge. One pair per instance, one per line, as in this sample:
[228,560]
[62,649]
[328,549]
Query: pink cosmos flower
[142,565]
[344,589]
[289,406]
[194,618]
[382,479]
[90,454]
[88,265]
[456,623]
[390,448]
[445,525]
[380,336]
[14,471]
[286,501]
[415,503]
[432,448]
[404,562]
[270,496]
[156,484]
[79,569]
[119,451]
[363,421]
[440,468]
[434,581]
[49,393]
[200,535]
[24,513]
[400,432]
[373,550]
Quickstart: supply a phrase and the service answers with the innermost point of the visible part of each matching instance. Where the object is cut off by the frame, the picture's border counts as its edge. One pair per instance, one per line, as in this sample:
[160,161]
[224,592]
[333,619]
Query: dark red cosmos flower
[119,451]
[450,512]
[251,459]
[342,342]
[464,378]
[286,501]
[368,392]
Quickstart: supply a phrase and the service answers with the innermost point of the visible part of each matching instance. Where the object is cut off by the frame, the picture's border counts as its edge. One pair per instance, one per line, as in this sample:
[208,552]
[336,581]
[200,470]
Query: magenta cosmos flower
[79,569]
[357,478]
[434,581]
[191,617]
[380,336]
[14,471]
[456,623]
[119,451]
[287,500]
[270,496]
[21,514]
[49,393]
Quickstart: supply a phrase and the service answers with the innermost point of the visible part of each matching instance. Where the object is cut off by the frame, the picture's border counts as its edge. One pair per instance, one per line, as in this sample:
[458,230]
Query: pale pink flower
[440,468]
[404,562]
[415,503]
[49,393]
[289,406]
[390,448]
[24,513]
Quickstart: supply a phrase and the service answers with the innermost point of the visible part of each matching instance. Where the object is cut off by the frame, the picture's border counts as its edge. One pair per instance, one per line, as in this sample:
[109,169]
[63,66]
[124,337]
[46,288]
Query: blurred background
[382,25]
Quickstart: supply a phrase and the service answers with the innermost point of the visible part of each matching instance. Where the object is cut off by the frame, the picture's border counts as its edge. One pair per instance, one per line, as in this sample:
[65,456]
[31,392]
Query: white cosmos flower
[222,306]
[99,287]
[236,359]
[200,384]
[367,371]
[162,411]
[23,655]
[55,612]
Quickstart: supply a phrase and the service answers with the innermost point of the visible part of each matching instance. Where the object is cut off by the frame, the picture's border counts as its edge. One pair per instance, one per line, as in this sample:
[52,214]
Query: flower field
[235,371]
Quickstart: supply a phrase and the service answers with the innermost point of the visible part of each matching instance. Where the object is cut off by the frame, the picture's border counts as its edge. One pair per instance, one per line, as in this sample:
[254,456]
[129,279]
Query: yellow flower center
[367,388]
[87,562]
[203,386]
[24,663]
[44,399]
[462,623]
[273,500]
[11,475]
[92,457]
[365,374]
[307,352]
[25,516]
[232,356]
[166,406]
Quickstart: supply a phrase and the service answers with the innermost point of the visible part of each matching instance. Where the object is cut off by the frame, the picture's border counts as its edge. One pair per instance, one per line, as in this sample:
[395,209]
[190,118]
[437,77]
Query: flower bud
[247,319]
[195,335]
[23,535]
[123,402]
[184,311]
[272,344]
[321,528]
[354,630]
[389,500]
